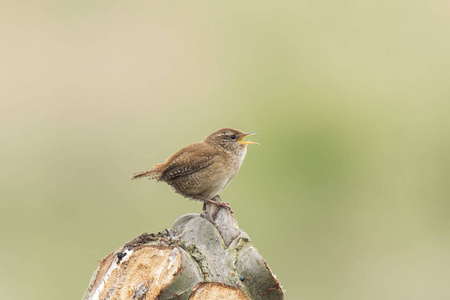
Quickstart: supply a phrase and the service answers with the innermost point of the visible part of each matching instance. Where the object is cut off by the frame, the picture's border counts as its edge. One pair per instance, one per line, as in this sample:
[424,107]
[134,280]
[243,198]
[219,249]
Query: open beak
[247,142]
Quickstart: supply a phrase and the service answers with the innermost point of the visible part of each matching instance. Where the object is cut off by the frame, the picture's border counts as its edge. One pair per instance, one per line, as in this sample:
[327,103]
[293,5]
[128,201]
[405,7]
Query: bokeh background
[347,197]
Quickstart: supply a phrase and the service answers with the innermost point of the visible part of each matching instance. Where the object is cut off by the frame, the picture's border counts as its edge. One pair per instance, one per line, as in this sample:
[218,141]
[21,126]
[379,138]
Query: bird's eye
[233,137]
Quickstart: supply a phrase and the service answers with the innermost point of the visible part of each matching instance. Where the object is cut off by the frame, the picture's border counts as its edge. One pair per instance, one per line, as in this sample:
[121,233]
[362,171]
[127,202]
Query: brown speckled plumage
[202,170]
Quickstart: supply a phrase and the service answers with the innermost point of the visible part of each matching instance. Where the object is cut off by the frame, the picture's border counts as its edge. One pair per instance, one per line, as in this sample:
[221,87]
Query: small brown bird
[202,170]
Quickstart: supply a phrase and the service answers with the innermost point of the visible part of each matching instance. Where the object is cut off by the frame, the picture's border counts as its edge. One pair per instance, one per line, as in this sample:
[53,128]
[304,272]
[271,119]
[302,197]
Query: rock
[196,259]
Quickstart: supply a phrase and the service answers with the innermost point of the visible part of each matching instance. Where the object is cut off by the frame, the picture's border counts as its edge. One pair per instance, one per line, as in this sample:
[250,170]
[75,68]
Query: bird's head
[230,139]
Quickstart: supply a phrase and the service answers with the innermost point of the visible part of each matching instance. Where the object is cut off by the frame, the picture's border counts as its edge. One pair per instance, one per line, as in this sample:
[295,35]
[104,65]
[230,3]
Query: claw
[227,206]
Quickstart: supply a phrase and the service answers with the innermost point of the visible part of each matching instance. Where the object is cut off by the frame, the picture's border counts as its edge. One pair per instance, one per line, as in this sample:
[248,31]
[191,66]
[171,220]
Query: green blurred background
[347,197]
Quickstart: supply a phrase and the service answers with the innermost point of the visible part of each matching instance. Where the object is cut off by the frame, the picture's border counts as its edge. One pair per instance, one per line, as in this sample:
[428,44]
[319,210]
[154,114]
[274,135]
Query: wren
[202,170]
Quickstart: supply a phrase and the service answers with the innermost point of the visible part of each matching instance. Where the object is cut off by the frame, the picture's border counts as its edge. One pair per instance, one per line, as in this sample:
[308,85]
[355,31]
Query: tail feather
[151,174]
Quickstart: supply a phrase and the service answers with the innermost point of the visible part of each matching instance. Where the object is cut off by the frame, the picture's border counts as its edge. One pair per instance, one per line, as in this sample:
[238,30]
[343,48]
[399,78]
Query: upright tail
[152,174]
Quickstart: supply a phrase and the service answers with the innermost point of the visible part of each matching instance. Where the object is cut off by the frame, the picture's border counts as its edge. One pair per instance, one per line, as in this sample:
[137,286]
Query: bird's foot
[226,205]
[210,211]
[218,201]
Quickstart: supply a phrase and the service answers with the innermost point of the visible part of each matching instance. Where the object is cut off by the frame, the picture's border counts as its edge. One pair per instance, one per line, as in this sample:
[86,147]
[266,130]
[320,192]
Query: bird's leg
[210,211]
[217,199]
[221,204]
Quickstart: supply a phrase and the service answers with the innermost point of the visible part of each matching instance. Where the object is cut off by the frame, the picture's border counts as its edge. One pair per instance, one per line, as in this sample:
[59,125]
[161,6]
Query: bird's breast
[233,168]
